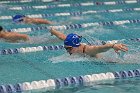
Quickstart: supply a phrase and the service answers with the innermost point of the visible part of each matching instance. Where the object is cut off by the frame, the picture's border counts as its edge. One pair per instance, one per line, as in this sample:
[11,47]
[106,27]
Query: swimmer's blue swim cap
[73,40]
[18,18]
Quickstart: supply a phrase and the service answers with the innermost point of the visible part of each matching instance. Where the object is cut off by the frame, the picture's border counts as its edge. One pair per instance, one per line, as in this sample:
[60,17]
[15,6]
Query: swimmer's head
[18,18]
[73,40]
[1,28]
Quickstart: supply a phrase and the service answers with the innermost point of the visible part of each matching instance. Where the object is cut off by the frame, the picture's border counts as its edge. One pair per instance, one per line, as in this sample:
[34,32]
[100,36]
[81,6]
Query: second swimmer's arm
[23,37]
[103,48]
[38,21]
[106,47]
[99,49]
[58,34]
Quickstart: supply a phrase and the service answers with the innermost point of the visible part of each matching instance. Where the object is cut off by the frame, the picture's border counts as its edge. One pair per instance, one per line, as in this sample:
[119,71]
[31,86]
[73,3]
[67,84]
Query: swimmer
[12,36]
[28,20]
[72,43]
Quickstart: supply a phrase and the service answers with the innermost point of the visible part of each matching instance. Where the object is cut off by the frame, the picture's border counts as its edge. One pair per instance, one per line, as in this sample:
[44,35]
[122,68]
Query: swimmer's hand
[120,47]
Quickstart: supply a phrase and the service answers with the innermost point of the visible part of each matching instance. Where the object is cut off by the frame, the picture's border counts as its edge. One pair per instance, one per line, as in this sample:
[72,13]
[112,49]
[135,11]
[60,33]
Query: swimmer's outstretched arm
[37,21]
[58,34]
[17,36]
[25,37]
[106,47]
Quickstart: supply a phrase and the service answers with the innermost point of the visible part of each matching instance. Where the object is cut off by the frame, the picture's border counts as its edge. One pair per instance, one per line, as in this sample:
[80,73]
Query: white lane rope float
[78,13]
[73,5]
[53,47]
[60,83]
[76,26]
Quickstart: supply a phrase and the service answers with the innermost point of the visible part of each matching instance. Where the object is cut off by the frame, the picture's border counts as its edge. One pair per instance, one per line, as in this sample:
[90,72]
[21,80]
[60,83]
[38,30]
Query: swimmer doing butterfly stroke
[28,20]
[72,43]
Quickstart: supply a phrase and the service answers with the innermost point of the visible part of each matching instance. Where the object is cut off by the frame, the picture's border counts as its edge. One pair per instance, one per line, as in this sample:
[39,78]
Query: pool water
[27,67]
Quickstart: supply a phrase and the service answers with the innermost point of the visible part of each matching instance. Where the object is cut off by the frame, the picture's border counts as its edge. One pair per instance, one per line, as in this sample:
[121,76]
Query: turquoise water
[28,67]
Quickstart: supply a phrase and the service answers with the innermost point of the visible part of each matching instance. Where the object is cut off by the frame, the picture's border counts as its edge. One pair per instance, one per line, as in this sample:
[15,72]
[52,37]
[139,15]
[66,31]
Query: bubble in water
[68,58]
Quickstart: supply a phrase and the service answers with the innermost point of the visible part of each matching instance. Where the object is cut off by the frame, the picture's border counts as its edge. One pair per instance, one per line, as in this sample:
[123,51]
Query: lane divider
[78,13]
[76,26]
[30,49]
[74,5]
[60,83]
[53,47]
[25,1]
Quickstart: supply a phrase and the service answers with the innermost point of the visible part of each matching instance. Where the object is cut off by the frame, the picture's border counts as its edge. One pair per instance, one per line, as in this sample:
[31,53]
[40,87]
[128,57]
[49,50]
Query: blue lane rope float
[76,26]
[78,13]
[74,5]
[60,83]
[25,1]
[53,47]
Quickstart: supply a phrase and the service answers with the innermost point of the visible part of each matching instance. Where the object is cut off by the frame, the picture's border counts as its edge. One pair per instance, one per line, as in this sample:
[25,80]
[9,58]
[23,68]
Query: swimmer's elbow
[25,37]
[63,37]
[49,22]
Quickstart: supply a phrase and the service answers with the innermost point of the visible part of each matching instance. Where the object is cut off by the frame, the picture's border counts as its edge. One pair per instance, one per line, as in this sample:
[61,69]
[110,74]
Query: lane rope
[76,26]
[26,1]
[73,5]
[60,83]
[78,13]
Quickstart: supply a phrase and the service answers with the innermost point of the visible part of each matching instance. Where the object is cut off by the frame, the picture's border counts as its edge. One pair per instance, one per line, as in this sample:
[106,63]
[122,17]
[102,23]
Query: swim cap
[18,18]
[72,40]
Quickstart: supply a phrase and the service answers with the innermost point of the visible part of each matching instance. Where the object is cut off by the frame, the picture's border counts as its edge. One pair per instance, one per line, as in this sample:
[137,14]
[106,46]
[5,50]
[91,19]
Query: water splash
[132,57]
[68,58]
[43,39]
[79,18]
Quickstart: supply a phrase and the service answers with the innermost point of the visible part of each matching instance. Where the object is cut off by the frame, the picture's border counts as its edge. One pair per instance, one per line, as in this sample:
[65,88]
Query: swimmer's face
[21,20]
[68,48]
